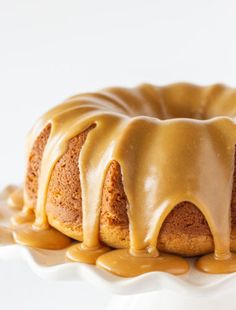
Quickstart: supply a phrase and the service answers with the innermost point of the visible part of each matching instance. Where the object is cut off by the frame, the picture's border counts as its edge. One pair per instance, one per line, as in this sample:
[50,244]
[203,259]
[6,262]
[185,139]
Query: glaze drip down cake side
[134,174]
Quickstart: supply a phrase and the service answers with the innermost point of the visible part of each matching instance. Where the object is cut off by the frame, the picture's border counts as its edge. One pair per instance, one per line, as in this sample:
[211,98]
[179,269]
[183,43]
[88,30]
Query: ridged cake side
[184,231]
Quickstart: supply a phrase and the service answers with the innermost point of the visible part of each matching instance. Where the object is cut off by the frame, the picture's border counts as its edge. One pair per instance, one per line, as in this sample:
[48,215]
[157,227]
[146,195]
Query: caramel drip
[11,194]
[25,216]
[7,192]
[81,253]
[173,144]
[122,263]
[15,199]
[49,239]
[6,236]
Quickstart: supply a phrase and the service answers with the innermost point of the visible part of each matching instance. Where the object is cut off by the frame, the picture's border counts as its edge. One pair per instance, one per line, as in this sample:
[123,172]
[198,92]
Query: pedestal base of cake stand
[167,300]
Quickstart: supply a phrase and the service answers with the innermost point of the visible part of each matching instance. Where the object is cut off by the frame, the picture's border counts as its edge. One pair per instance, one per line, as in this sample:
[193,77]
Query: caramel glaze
[6,193]
[173,144]
[13,197]
[6,235]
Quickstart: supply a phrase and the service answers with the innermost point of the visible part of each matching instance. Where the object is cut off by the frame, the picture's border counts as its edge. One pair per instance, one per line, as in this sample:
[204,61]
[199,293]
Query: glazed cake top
[173,144]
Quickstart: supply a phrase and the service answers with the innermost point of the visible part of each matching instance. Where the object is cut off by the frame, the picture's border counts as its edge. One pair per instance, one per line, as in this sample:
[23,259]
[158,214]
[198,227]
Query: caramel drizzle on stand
[13,197]
[172,144]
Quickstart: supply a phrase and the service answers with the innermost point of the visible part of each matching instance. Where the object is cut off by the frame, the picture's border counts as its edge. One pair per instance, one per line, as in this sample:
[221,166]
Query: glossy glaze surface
[173,144]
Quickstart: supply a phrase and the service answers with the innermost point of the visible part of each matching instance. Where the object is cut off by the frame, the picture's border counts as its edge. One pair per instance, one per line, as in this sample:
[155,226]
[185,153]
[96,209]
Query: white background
[51,49]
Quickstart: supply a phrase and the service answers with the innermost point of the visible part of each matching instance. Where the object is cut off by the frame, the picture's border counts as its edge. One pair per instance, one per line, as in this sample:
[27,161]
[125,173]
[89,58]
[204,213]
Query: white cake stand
[156,290]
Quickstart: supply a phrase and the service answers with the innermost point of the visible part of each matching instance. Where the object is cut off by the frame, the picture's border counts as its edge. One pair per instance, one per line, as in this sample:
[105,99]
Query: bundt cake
[145,169]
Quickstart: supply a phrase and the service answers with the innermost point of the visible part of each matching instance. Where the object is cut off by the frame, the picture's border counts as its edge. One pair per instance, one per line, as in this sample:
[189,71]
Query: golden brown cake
[185,230]
[139,167]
